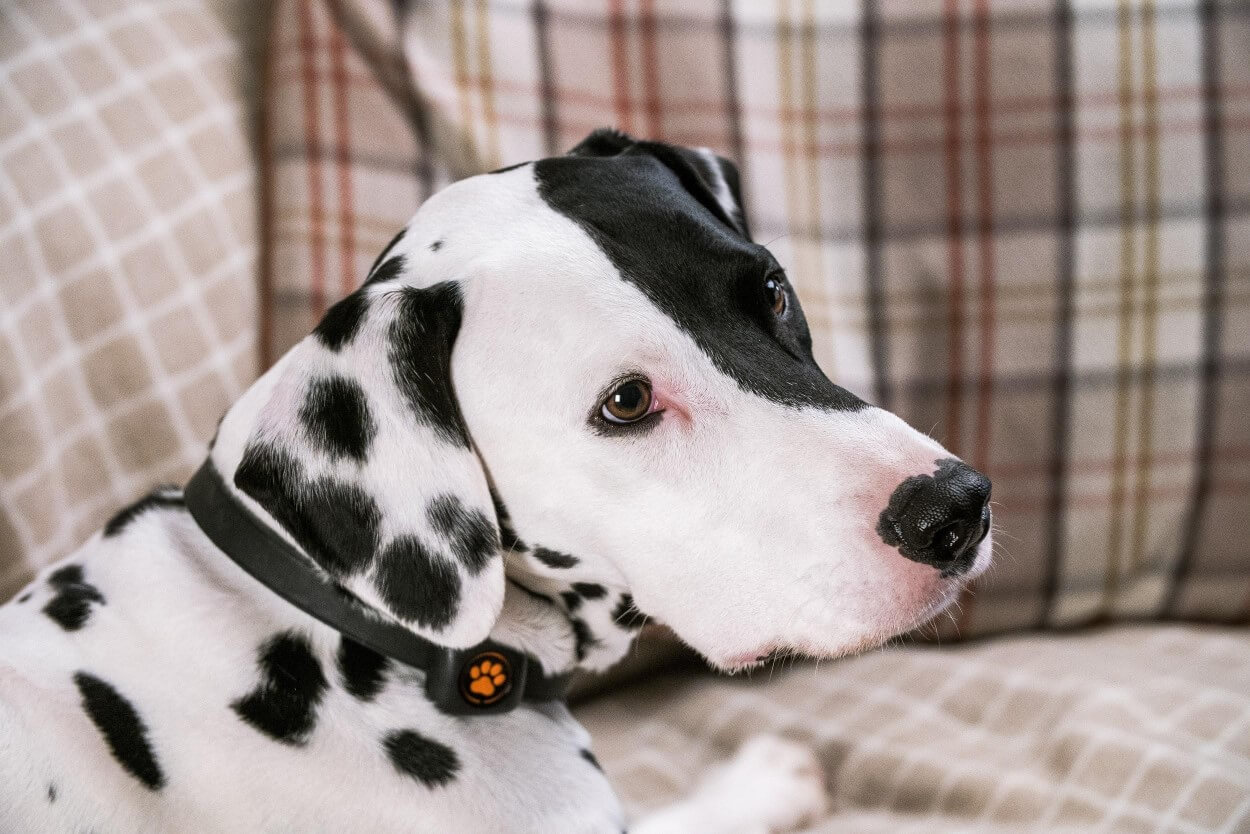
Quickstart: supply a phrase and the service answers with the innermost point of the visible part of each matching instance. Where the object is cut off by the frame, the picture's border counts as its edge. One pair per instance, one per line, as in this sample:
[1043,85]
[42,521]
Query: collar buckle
[486,679]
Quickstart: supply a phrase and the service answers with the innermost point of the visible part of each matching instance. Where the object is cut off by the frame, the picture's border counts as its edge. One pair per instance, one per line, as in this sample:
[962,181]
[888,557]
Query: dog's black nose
[939,519]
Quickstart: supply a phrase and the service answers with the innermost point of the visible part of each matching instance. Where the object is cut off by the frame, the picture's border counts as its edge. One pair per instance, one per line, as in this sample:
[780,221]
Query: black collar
[274,563]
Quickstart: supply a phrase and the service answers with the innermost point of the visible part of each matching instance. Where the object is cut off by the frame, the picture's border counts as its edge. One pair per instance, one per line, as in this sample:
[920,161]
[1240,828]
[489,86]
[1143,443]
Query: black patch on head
[363,670]
[416,584]
[421,335]
[70,606]
[386,251]
[342,321]
[51,792]
[606,141]
[590,590]
[162,497]
[388,271]
[554,558]
[336,414]
[336,523]
[590,757]
[24,597]
[472,536]
[647,208]
[436,245]
[430,762]
[586,639]
[626,614]
[284,703]
[571,600]
[124,731]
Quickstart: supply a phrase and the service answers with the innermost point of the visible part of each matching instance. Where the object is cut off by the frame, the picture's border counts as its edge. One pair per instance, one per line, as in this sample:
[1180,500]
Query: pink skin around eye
[663,400]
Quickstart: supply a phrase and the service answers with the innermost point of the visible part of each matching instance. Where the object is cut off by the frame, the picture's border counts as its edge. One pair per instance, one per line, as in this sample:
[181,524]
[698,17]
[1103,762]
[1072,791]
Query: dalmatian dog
[571,395]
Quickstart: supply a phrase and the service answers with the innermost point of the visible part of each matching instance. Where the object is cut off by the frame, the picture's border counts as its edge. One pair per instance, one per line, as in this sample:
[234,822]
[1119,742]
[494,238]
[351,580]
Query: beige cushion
[1131,729]
[127,252]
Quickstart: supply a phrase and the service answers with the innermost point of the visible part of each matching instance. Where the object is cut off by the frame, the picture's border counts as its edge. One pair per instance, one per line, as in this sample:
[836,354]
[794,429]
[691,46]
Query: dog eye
[775,292]
[628,403]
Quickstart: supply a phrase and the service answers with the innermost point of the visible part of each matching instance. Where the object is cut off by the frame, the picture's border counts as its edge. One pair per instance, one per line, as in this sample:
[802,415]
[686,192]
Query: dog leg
[770,786]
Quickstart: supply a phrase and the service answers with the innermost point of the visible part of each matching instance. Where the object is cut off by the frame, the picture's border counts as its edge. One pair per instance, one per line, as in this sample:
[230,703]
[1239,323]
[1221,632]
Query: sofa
[1025,228]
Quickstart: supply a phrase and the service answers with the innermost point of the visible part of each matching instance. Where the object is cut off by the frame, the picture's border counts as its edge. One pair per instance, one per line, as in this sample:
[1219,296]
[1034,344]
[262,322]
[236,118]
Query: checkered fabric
[1132,729]
[1024,227]
[127,260]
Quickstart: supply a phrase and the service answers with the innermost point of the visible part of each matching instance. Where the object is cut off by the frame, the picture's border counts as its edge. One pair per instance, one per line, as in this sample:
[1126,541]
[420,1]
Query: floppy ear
[712,179]
[357,449]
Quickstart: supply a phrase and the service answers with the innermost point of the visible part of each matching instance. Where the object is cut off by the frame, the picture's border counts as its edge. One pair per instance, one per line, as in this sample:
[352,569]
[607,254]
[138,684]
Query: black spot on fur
[67,575]
[363,670]
[51,792]
[571,600]
[70,607]
[335,523]
[590,757]
[336,414]
[554,558]
[626,614]
[421,335]
[342,321]
[430,762]
[124,731]
[24,597]
[416,584]
[162,497]
[387,250]
[472,536]
[284,703]
[388,271]
[436,245]
[508,168]
[586,639]
[590,590]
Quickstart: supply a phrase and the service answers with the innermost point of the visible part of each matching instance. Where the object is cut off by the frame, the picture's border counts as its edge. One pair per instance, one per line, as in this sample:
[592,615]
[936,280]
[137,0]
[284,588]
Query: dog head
[596,340]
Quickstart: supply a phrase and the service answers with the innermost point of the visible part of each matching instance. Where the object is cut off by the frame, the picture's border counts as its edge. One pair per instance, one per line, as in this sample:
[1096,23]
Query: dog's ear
[712,179]
[358,450]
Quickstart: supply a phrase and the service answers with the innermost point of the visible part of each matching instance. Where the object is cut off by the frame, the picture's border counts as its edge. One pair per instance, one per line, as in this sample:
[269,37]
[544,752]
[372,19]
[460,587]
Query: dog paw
[771,784]
[486,677]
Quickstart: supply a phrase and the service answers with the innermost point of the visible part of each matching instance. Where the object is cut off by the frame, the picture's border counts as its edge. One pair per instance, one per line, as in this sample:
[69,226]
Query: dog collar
[452,676]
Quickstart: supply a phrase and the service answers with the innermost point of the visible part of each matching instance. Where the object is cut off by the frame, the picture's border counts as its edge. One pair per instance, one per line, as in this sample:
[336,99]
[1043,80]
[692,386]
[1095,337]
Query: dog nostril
[951,541]
[939,519]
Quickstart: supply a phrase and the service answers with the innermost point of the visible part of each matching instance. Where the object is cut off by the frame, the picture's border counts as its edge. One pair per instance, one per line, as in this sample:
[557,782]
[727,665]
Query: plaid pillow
[127,260]
[1023,229]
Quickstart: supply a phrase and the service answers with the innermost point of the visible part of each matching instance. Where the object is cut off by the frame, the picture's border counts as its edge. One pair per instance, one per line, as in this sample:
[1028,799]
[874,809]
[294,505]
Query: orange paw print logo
[487,679]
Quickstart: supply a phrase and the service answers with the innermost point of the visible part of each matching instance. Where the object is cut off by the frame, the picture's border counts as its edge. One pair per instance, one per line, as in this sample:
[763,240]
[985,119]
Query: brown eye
[775,291]
[629,402]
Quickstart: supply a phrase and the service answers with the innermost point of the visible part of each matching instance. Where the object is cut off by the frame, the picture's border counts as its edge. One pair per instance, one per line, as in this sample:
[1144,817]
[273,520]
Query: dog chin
[866,637]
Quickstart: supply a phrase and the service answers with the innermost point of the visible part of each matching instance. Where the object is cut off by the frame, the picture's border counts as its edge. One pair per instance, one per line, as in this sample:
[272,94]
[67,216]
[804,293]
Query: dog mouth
[772,654]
